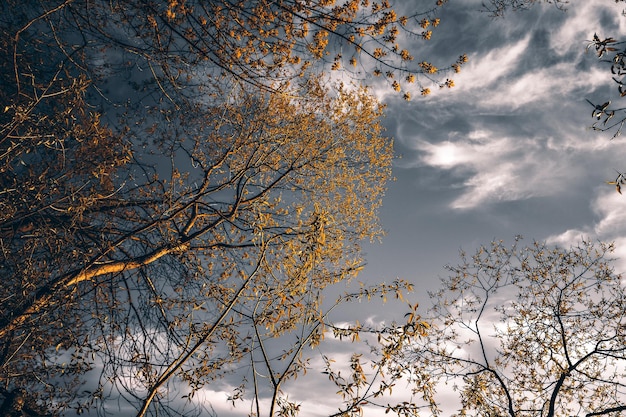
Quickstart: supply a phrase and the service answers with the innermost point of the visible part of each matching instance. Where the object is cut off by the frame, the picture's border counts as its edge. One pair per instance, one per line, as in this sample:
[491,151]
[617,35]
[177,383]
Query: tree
[263,44]
[530,331]
[170,273]
[159,272]
[179,186]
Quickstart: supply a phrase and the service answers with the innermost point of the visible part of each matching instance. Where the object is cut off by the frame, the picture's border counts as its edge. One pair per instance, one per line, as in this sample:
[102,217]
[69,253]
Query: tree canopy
[529,331]
[179,184]
[183,267]
[180,43]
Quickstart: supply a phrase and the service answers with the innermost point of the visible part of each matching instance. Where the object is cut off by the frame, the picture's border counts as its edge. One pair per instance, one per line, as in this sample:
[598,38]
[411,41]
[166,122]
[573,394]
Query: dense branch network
[178,189]
[537,330]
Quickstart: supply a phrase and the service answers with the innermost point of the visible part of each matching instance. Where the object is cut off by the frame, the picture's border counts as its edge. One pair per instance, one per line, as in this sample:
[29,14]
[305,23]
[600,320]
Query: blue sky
[507,151]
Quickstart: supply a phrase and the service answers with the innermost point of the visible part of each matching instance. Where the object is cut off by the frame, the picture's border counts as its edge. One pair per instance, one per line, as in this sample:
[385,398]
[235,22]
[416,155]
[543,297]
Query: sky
[508,151]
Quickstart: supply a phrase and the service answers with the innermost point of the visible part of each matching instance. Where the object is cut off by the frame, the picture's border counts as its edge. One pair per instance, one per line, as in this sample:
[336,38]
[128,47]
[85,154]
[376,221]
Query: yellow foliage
[428,67]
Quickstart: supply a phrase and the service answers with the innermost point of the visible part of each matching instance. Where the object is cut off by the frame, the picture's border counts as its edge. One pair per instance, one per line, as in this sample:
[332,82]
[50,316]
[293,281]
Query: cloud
[494,163]
[486,69]
[541,87]
[583,20]
[313,391]
[608,207]
[514,128]
[609,226]
[475,155]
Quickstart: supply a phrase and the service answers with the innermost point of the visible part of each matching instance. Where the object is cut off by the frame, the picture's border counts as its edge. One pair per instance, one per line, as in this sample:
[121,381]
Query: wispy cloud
[485,70]
[496,168]
[515,126]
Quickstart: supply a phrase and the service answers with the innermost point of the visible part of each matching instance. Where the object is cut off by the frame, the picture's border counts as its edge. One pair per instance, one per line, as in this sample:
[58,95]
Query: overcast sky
[507,151]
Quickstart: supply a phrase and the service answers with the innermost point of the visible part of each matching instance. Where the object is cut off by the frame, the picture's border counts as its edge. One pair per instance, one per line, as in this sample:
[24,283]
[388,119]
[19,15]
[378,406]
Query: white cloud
[540,87]
[584,19]
[499,168]
[609,206]
[610,226]
[482,72]
[548,150]
[492,80]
